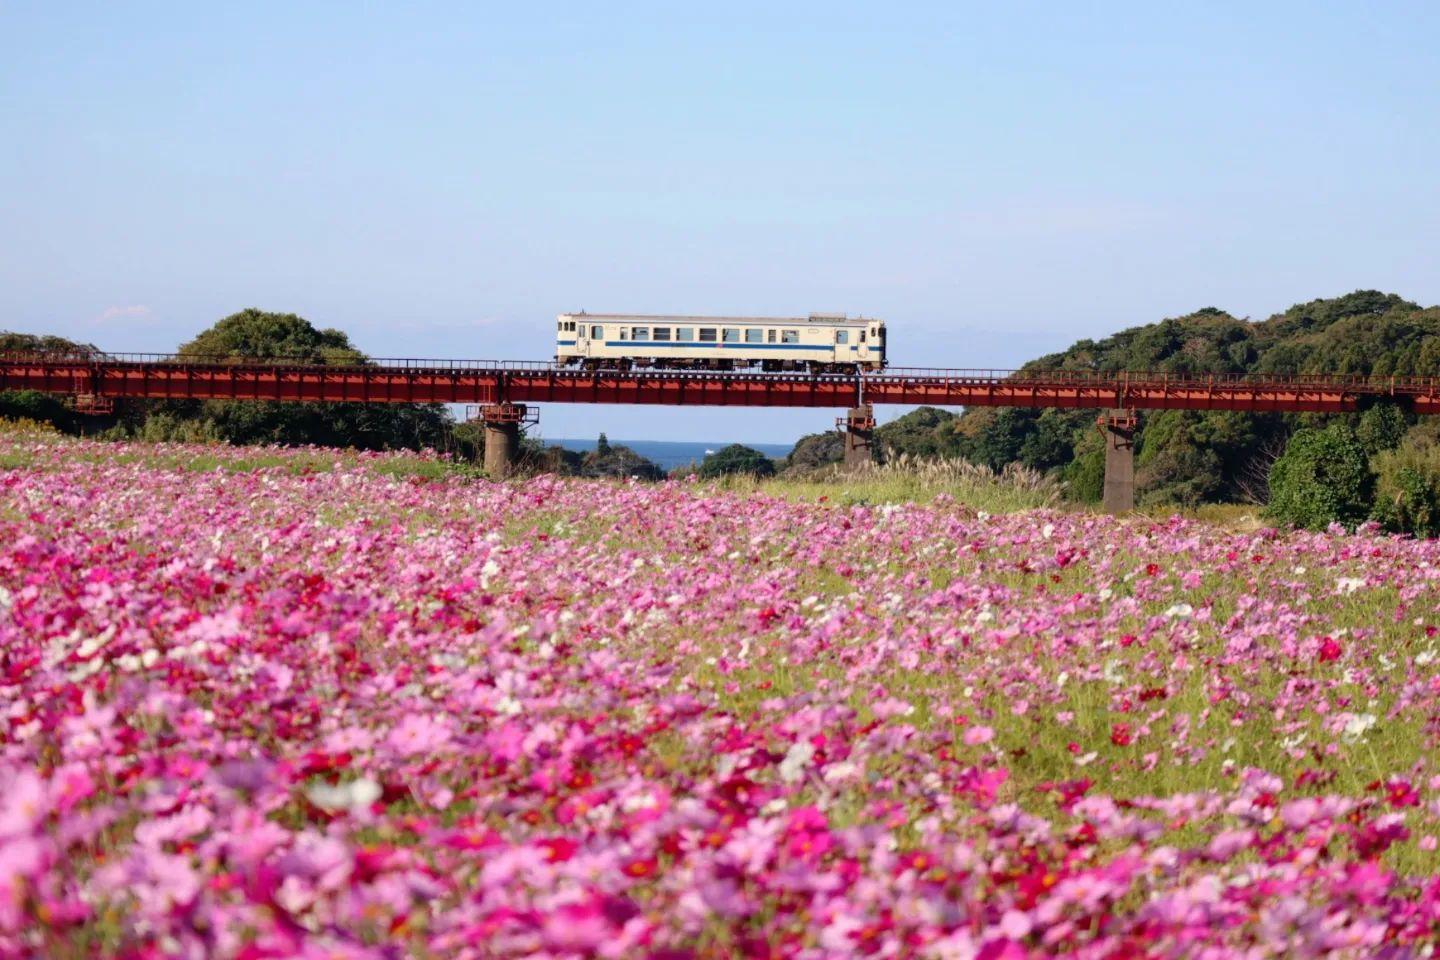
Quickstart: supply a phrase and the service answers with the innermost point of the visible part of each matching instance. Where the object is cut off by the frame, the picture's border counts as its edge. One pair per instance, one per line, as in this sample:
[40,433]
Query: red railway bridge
[503,391]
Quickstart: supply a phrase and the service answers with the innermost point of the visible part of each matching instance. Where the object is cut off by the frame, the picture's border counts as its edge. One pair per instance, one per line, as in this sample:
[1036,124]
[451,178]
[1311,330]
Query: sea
[669,454]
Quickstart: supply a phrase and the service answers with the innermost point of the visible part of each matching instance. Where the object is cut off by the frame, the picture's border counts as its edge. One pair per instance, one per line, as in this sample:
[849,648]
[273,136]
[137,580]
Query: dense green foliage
[31,404]
[40,407]
[44,343]
[814,452]
[736,459]
[1407,484]
[1322,478]
[248,334]
[256,334]
[1187,457]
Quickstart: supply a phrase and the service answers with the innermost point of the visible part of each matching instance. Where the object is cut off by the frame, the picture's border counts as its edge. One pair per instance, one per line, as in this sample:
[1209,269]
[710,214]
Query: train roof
[739,321]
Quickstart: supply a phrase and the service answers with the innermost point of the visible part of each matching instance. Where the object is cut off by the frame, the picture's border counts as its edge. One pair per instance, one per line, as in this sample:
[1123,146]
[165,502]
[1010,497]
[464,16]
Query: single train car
[819,343]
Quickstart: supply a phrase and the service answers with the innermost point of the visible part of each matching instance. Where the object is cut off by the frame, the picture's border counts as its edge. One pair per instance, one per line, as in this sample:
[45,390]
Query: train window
[662,333]
[640,333]
[862,336]
[707,334]
[754,336]
[684,333]
[842,336]
[731,335]
[624,333]
[580,333]
[771,336]
[789,336]
[597,333]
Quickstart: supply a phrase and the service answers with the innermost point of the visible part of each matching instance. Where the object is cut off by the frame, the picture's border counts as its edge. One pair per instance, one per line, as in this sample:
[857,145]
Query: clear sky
[995,180]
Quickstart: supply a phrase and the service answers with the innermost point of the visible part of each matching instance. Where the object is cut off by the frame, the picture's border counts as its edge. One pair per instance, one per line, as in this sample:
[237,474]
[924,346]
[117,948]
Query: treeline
[1381,463]
[249,334]
[256,334]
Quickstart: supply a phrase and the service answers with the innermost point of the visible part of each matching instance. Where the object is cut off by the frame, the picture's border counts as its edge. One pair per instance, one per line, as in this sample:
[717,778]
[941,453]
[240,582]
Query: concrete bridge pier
[859,428]
[1118,428]
[502,423]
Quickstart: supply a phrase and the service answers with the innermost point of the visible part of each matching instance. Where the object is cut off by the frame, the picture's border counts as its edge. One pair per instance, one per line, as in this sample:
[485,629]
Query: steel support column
[502,423]
[859,429]
[1118,429]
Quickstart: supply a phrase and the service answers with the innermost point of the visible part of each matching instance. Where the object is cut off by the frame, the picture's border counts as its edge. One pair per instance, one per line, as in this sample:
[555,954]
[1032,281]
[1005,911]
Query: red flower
[1120,734]
[1399,793]
[1330,650]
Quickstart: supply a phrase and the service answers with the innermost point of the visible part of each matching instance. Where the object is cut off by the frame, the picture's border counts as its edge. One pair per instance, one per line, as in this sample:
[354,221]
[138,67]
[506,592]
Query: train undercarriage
[813,367]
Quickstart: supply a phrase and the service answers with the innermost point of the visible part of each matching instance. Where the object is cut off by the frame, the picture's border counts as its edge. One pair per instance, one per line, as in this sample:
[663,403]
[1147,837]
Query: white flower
[1180,610]
[1348,585]
[797,758]
[355,795]
[1047,531]
[1356,726]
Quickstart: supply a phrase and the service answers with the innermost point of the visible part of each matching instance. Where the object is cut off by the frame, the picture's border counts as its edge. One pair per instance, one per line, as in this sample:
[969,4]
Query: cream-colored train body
[819,343]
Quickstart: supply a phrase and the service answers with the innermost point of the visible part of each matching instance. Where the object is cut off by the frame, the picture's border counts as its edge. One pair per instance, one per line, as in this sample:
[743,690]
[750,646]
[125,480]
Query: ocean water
[669,454]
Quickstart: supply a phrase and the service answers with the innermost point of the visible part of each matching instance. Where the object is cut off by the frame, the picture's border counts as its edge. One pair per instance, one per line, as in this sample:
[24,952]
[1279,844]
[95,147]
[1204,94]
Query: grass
[913,480]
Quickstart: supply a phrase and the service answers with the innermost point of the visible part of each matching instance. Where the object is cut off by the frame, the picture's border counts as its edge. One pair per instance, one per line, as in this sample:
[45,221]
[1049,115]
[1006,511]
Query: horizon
[444,180]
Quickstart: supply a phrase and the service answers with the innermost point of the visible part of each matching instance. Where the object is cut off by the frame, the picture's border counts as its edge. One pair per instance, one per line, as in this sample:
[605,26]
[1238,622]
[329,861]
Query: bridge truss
[115,376]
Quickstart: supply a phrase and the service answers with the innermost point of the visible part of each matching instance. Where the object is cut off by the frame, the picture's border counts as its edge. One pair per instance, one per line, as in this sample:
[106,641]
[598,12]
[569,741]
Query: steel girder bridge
[503,391]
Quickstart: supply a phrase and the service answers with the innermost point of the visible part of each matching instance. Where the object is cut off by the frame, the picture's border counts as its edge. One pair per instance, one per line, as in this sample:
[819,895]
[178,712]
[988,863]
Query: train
[821,343]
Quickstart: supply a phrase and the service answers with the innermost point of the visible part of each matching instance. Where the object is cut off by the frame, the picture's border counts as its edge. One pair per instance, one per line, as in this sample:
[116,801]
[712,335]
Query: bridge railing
[280,360]
[1370,382]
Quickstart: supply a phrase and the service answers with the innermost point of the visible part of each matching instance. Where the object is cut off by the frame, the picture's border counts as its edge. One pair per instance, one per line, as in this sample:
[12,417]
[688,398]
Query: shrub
[736,458]
[1407,487]
[815,451]
[1322,478]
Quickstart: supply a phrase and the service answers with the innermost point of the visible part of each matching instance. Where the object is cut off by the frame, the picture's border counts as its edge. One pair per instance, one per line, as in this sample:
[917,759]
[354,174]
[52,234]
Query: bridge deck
[484,382]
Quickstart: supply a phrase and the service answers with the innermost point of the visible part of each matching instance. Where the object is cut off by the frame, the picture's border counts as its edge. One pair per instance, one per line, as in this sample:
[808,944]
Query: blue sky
[994,180]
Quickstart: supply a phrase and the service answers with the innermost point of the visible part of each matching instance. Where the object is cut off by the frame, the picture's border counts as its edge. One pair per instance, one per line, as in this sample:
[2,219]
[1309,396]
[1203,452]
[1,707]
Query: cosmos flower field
[303,704]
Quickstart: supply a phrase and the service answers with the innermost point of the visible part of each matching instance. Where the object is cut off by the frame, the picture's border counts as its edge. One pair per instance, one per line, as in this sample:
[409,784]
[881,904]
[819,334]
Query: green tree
[40,407]
[1381,428]
[1210,455]
[815,451]
[1407,485]
[1322,478]
[257,334]
[11,342]
[1084,476]
[736,459]
[602,446]
[923,432]
[1051,442]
